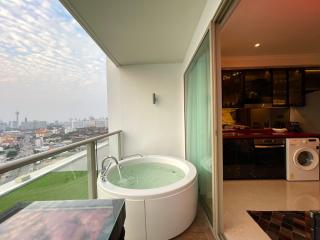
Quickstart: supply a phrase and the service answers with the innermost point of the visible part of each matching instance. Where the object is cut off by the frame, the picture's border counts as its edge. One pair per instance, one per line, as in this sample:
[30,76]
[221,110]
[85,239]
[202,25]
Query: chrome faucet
[104,169]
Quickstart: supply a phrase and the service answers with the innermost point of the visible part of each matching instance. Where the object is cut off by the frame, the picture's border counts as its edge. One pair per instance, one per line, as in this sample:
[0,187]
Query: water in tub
[119,172]
[145,175]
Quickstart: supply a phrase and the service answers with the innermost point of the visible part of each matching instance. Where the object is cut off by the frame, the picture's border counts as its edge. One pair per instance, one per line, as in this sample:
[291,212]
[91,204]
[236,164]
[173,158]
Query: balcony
[64,173]
[149,48]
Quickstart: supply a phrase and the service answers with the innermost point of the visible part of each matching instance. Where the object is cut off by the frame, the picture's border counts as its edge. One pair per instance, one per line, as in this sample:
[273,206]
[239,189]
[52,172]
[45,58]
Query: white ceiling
[283,27]
[139,31]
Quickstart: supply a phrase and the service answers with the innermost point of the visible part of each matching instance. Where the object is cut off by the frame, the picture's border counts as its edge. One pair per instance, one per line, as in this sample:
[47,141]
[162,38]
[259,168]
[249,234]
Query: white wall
[308,116]
[199,33]
[148,128]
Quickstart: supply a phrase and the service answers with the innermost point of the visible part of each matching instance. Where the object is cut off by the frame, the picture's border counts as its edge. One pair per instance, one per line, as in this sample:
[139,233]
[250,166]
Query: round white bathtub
[167,204]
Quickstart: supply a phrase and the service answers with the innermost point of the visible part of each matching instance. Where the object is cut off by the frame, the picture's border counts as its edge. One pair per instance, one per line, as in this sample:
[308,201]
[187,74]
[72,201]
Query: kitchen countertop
[264,133]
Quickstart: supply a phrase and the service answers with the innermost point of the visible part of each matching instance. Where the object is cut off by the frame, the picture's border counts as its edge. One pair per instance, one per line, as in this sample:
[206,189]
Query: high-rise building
[17,117]
[33,125]
[3,126]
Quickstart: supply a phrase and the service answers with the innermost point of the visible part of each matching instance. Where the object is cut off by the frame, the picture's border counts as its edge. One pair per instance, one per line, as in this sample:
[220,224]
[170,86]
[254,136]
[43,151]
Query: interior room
[270,96]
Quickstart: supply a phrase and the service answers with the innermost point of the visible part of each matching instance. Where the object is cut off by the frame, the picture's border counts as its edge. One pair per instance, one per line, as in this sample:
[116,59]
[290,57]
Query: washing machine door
[306,158]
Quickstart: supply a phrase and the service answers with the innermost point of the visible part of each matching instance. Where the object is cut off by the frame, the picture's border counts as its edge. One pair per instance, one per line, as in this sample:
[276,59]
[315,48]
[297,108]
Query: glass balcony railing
[65,173]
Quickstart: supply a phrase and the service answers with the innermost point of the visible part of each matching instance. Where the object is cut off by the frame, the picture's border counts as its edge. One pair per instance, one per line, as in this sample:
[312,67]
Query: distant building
[101,123]
[33,125]
[68,130]
[54,131]
[3,126]
[10,138]
[17,117]
[38,142]
[14,124]
[89,123]
[12,133]
[42,132]
[75,124]
[26,126]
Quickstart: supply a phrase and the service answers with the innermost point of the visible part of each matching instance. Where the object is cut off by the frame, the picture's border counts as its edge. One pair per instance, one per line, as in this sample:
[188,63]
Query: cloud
[40,43]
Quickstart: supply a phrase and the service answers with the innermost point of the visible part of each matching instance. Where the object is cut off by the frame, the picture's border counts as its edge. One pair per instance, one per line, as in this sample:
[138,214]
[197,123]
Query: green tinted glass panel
[198,110]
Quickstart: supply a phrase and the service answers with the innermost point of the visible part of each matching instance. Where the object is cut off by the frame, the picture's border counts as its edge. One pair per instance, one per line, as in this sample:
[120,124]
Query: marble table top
[71,219]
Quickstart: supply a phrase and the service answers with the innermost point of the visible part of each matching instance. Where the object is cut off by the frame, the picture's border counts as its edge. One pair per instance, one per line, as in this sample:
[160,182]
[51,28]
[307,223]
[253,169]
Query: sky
[50,68]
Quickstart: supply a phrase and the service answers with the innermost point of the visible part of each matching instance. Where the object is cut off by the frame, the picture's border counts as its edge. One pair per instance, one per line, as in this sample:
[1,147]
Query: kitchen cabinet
[254,158]
[238,162]
[280,87]
[232,85]
[312,80]
[296,87]
[258,86]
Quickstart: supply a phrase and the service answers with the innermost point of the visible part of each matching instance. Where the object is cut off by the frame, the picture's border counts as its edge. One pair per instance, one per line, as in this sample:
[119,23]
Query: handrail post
[92,170]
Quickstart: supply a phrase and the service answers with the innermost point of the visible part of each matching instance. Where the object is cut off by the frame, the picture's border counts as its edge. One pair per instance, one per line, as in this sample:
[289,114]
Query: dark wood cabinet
[232,85]
[249,158]
[280,87]
[238,161]
[312,80]
[258,86]
[296,87]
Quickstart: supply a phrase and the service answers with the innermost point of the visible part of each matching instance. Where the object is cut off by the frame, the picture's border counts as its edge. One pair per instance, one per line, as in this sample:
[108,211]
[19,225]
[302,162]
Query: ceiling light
[257,45]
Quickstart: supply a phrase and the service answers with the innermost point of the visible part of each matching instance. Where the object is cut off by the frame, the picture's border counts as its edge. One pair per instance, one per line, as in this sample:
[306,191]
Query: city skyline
[23,118]
[51,69]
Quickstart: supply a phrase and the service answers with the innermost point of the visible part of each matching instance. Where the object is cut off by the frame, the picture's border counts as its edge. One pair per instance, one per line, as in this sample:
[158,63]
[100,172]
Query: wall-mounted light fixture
[154,98]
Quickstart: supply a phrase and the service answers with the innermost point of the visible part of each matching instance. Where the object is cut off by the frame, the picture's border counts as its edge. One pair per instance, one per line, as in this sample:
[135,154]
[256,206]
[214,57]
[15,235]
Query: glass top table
[71,219]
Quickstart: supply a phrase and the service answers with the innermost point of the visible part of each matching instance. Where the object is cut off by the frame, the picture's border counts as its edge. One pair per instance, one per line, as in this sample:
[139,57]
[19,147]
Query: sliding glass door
[198,121]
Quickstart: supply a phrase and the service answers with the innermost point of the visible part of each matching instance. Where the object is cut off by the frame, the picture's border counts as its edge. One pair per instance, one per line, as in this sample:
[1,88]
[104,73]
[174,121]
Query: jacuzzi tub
[163,209]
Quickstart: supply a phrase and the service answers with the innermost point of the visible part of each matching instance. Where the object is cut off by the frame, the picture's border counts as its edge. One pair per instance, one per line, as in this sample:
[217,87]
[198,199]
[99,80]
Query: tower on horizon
[17,117]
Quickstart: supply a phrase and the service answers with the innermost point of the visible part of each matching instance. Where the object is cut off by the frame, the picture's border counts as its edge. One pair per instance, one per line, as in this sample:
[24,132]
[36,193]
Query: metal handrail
[36,157]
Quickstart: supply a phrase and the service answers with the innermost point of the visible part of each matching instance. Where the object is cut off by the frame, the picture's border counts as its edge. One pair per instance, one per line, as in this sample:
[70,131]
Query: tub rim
[187,167]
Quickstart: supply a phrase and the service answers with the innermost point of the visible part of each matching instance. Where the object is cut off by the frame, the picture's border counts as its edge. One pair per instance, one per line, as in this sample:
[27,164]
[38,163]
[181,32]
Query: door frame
[223,13]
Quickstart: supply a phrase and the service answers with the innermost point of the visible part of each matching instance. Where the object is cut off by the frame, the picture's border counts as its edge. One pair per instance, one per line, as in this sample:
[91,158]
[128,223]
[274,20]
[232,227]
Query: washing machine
[302,159]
